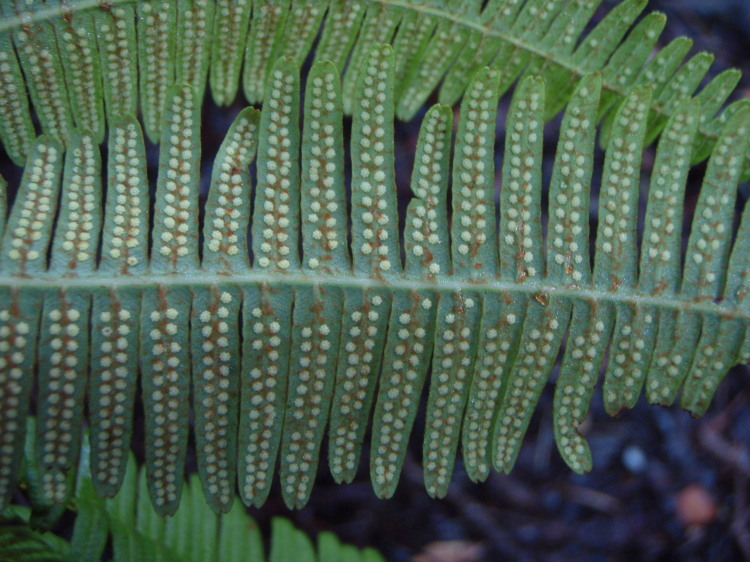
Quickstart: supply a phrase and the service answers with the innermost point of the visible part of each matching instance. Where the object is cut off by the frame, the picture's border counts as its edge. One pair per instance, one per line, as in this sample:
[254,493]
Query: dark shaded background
[664,486]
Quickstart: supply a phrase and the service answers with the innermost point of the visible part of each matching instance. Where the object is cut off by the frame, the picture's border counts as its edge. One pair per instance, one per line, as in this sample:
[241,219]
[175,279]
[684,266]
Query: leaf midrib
[442,285]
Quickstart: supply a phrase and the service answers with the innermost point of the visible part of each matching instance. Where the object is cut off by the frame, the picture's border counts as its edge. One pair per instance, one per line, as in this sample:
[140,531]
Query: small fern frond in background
[267,355]
[18,541]
[136,533]
[85,61]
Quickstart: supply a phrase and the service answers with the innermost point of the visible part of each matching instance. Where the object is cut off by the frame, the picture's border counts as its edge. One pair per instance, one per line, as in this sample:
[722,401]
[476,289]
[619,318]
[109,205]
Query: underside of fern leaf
[79,78]
[281,309]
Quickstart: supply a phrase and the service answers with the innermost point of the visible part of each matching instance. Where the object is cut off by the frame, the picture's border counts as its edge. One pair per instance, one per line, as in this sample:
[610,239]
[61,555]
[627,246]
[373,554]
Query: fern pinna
[329,328]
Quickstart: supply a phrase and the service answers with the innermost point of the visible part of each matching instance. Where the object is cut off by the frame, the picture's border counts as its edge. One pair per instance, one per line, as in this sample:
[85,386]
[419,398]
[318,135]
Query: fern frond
[147,45]
[318,327]
[20,542]
[137,532]
[194,532]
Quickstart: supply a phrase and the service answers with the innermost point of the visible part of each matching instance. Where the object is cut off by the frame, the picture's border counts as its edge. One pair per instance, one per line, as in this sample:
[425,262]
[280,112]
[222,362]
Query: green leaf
[342,23]
[18,542]
[301,27]
[118,53]
[175,249]
[91,526]
[266,314]
[288,543]
[239,537]
[16,129]
[228,203]
[157,25]
[261,46]
[193,44]
[378,26]
[231,19]
[40,61]
[408,346]
[215,380]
